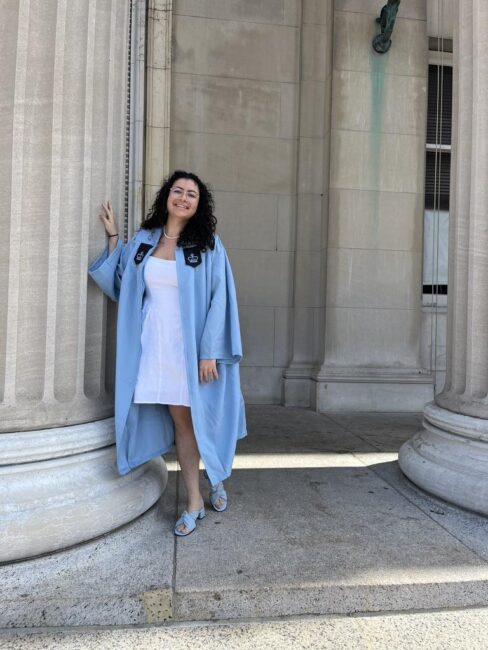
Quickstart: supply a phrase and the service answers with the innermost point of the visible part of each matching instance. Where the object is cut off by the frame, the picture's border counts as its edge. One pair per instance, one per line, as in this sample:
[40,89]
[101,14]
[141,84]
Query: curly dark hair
[200,229]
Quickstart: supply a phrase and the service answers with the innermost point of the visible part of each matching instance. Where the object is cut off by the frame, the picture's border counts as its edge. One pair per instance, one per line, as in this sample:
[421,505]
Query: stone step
[440,630]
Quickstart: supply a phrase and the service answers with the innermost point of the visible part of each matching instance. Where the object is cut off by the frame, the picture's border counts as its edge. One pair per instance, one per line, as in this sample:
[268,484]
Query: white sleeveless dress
[162,377]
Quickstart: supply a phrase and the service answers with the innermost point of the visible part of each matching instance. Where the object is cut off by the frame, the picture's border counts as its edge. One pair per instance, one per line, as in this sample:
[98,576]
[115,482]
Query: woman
[178,341]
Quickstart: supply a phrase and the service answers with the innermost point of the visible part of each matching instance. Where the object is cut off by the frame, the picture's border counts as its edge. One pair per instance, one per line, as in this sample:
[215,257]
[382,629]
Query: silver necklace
[169,236]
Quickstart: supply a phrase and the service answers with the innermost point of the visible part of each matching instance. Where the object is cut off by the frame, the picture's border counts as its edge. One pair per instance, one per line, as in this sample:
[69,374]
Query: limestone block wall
[374,255]
[315,148]
[312,206]
[234,121]
[157,97]
[376,190]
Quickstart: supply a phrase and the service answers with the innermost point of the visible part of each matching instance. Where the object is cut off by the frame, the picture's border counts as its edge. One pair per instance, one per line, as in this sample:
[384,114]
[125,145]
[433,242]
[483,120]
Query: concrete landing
[446,630]
[320,521]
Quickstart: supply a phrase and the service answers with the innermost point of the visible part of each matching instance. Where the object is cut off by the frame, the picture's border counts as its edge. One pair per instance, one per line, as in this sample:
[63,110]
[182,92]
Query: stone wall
[315,149]
[312,206]
[234,117]
[373,310]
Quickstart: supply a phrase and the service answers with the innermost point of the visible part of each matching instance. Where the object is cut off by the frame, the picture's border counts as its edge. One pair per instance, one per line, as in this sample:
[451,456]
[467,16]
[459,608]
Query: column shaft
[450,456]
[62,152]
[63,147]
[466,389]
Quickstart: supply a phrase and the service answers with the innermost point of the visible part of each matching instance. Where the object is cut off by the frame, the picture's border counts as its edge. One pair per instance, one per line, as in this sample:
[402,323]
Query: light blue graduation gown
[210,325]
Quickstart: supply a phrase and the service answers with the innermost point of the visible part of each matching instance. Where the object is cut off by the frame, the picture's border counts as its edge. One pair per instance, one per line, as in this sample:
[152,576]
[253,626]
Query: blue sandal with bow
[189,519]
[217,492]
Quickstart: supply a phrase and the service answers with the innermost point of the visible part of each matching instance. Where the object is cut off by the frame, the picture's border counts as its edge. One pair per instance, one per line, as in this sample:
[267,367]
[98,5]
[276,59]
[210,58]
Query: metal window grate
[439,107]
[439,128]
[437,180]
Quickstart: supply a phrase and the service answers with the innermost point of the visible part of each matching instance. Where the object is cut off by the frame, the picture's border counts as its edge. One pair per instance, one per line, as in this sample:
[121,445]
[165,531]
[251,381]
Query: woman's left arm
[221,338]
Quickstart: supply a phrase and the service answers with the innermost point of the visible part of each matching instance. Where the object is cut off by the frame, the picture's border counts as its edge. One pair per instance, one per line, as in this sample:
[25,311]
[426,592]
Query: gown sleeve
[107,270]
[221,337]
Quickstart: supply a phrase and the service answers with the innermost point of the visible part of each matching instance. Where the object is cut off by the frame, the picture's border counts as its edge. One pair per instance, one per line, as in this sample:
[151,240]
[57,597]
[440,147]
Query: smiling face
[183,199]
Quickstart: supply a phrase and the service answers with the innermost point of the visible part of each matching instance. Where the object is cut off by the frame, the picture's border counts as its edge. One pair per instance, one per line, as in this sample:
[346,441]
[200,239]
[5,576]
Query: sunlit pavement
[322,532]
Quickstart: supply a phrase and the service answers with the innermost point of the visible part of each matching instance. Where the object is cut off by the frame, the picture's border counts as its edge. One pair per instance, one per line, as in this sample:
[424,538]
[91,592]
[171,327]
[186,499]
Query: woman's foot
[187,522]
[218,497]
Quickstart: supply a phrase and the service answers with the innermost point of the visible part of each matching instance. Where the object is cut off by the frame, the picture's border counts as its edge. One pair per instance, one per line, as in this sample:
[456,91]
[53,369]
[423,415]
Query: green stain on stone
[377,102]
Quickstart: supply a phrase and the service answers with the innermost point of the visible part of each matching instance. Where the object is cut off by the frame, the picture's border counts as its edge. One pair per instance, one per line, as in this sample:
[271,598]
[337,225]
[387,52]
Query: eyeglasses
[180,193]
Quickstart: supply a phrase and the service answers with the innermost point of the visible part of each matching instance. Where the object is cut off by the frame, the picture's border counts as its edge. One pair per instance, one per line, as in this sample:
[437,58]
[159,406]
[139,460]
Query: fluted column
[63,99]
[450,457]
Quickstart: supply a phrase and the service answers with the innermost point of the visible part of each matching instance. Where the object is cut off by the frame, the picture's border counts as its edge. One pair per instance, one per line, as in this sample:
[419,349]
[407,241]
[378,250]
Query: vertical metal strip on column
[128,129]
[134,169]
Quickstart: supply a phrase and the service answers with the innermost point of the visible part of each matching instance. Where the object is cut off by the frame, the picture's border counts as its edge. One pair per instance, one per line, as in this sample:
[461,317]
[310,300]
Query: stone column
[62,150]
[450,457]
[371,360]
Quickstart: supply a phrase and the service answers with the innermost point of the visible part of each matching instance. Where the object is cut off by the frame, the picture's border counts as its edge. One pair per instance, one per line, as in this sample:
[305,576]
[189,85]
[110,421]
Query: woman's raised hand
[108,219]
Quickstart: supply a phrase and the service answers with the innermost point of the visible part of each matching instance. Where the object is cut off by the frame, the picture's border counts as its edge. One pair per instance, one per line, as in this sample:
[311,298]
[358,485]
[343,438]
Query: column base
[298,387]
[47,504]
[449,458]
[379,390]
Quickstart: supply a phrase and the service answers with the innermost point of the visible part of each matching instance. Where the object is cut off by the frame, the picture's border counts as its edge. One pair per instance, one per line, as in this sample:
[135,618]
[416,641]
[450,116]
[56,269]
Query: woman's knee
[182,419]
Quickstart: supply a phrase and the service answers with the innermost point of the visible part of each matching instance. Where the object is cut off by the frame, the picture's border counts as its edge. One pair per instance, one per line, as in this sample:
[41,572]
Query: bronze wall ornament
[386,20]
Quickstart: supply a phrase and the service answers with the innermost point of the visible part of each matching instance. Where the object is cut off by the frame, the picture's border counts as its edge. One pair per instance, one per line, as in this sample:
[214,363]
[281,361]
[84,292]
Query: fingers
[109,212]
[207,371]
[204,374]
[107,217]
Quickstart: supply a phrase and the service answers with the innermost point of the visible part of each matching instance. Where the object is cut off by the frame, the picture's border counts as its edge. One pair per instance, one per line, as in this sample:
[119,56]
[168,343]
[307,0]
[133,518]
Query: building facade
[329,191]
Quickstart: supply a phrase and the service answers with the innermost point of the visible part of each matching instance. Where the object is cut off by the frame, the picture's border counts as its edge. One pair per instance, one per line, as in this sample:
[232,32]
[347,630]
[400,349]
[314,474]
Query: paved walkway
[321,523]
[446,630]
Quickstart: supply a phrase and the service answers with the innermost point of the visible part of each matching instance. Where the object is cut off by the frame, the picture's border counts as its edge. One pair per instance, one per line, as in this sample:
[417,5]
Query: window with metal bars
[437,179]
[439,122]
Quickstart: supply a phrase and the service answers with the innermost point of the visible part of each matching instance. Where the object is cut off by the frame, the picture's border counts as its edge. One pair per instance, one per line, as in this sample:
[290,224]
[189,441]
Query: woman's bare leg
[188,456]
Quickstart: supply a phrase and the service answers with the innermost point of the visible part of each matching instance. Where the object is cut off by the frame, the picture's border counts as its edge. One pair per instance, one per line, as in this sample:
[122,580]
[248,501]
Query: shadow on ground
[320,520]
